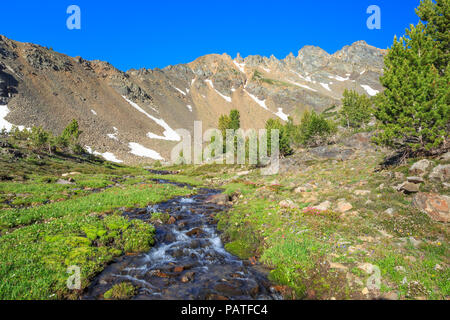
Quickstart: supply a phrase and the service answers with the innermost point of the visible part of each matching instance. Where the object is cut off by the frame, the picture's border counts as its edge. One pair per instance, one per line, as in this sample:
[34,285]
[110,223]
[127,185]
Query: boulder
[288,204]
[63,182]
[437,207]
[446,156]
[361,192]
[343,206]
[220,199]
[417,180]
[441,173]
[323,206]
[408,187]
[420,168]
[332,152]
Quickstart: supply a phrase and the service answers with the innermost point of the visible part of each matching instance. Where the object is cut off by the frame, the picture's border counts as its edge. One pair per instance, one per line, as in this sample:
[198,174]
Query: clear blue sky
[150,33]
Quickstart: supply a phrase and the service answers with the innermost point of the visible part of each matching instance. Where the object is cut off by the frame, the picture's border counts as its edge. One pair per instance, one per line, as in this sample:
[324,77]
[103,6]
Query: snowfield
[369,90]
[326,86]
[169,133]
[107,155]
[281,114]
[241,66]
[114,135]
[339,78]
[4,124]
[303,86]
[141,151]
[228,99]
[262,103]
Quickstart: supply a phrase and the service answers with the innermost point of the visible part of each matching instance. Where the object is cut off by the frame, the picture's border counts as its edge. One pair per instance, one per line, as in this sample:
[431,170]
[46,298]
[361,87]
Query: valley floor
[327,229]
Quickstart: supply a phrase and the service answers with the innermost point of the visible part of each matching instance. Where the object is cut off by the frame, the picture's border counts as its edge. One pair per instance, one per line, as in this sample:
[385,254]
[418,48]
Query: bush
[313,129]
[356,109]
[284,141]
[40,138]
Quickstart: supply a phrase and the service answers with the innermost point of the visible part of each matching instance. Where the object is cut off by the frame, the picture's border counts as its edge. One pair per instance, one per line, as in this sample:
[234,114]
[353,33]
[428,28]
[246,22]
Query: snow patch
[228,99]
[114,135]
[266,69]
[326,86]
[369,90]
[282,115]
[169,133]
[262,103]
[5,124]
[339,78]
[302,85]
[307,78]
[181,91]
[141,151]
[241,66]
[107,155]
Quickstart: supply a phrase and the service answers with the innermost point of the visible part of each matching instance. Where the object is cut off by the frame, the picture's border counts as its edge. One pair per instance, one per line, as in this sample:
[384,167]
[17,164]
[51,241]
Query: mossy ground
[47,227]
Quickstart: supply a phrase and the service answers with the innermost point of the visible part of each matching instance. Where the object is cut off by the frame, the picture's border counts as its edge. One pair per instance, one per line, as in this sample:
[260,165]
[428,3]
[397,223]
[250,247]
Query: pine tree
[356,109]
[284,142]
[436,16]
[413,111]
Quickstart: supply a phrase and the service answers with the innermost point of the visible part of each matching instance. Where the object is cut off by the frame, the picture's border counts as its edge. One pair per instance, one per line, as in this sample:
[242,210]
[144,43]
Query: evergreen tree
[356,109]
[314,129]
[235,120]
[413,111]
[436,16]
[284,138]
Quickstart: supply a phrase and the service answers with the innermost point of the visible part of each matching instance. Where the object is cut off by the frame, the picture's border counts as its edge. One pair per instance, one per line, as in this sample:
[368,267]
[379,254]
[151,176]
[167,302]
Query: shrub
[314,129]
[69,138]
[284,141]
[39,137]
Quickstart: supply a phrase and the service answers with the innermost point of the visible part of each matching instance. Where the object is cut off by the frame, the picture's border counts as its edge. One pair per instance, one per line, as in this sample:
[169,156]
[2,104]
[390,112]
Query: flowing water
[188,261]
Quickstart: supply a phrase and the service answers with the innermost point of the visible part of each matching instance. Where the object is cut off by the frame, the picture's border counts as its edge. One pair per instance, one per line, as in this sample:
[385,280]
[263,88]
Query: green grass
[52,227]
[121,291]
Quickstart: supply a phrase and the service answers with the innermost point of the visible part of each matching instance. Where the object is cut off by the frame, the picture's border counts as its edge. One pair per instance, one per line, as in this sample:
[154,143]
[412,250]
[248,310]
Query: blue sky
[149,33]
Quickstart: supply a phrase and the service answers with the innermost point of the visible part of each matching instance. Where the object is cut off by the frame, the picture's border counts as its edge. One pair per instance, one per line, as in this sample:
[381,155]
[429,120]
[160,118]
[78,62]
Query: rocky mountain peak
[119,109]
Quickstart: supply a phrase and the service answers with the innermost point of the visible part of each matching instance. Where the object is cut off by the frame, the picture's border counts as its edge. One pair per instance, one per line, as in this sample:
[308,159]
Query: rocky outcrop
[421,167]
[437,207]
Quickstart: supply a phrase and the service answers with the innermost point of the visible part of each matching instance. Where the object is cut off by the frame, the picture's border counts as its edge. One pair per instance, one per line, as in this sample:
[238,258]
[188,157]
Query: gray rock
[408,187]
[441,173]
[332,152]
[288,204]
[446,156]
[421,167]
[415,180]
[63,182]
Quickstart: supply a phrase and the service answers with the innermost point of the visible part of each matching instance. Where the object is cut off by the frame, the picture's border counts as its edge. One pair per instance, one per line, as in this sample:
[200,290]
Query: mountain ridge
[118,110]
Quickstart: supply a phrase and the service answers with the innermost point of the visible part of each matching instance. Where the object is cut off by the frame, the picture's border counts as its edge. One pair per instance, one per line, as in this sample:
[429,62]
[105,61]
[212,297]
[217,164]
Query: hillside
[131,116]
